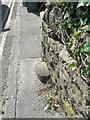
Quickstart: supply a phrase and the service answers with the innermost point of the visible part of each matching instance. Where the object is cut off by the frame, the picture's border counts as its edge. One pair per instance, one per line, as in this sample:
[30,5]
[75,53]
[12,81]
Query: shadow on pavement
[37,7]
[34,12]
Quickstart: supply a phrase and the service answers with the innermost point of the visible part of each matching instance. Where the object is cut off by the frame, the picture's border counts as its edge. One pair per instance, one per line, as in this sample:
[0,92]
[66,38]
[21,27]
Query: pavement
[21,52]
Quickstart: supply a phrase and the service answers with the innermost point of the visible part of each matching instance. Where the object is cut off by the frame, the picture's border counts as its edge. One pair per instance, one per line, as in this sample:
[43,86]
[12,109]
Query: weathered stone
[44,37]
[69,110]
[42,71]
[54,17]
[45,27]
[49,59]
[88,38]
[46,18]
[43,49]
[73,92]
[53,36]
[42,15]
[50,5]
[82,85]
[54,79]
[66,56]
[88,81]
[61,55]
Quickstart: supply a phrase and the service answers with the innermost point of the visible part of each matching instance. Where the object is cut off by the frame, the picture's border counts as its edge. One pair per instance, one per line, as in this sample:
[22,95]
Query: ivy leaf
[66,15]
[86,47]
[76,34]
[85,0]
[87,4]
[88,59]
[85,21]
[85,28]
[73,66]
[80,3]
[86,71]
[49,98]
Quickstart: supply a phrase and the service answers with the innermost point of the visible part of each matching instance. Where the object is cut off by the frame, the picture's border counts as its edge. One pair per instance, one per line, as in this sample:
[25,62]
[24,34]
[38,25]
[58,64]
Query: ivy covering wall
[74,27]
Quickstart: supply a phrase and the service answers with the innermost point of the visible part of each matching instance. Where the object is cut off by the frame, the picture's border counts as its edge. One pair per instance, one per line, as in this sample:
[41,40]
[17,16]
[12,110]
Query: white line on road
[5,33]
[10,3]
[7,2]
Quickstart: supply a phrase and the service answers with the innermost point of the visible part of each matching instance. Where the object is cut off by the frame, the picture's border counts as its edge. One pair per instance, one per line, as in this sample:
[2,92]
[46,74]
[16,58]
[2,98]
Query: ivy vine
[74,24]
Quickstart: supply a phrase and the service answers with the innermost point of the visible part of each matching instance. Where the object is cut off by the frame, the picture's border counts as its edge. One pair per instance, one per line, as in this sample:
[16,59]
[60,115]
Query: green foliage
[73,66]
[74,26]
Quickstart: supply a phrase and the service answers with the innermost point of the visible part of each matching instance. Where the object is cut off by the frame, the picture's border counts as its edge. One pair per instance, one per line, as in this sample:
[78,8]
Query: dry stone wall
[71,87]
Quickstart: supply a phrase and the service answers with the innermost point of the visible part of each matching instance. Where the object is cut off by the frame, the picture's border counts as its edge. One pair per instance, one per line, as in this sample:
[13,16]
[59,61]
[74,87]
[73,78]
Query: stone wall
[71,87]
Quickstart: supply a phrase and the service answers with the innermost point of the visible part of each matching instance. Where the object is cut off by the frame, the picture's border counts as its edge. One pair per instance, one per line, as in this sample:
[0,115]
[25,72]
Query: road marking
[10,3]
[5,33]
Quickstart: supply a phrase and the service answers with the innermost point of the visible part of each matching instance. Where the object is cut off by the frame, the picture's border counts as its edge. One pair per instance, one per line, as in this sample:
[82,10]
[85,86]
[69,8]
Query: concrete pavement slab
[29,34]
[29,103]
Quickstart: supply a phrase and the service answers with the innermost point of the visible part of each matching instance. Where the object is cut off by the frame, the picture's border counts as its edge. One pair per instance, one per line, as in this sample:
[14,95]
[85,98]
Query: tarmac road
[4,54]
